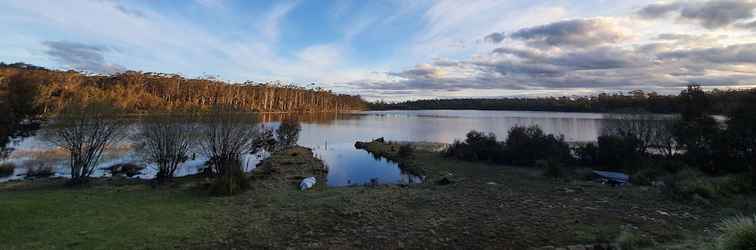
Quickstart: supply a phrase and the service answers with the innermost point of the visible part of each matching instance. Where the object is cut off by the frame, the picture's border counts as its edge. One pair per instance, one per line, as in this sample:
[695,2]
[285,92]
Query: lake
[332,138]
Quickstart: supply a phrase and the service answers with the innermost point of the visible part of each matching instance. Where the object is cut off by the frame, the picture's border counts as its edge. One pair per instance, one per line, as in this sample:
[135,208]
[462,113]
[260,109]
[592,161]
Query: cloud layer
[578,33]
[400,49]
[592,54]
[711,15]
[82,57]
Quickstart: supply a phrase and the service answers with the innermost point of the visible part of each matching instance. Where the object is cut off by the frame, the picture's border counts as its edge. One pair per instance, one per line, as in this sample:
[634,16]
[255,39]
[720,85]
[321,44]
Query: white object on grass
[307,183]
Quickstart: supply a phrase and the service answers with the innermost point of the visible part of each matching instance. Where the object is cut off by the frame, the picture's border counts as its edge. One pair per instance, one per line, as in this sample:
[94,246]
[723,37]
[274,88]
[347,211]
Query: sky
[399,49]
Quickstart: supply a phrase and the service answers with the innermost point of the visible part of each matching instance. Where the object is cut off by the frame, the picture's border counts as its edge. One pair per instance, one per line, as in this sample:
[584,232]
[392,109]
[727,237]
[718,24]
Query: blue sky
[395,49]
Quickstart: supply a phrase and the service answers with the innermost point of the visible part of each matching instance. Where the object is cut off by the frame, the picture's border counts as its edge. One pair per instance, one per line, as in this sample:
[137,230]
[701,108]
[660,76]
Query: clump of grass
[733,184]
[406,151]
[7,168]
[551,168]
[690,184]
[737,233]
[646,177]
[232,182]
[630,240]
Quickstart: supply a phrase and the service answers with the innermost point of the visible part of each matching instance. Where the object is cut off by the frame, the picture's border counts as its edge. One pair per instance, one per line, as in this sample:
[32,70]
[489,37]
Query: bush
[477,147]
[287,133]
[688,184]
[526,145]
[671,166]
[630,240]
[587,154]
[406,151]
[7,168]
[646,176]
[128,169]
[39,169]
[737,233]
[734,184]
[231,182]
[551,168]
[618,153]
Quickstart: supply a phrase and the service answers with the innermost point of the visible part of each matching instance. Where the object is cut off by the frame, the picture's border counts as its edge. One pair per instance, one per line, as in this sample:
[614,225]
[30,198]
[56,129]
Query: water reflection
[332,137]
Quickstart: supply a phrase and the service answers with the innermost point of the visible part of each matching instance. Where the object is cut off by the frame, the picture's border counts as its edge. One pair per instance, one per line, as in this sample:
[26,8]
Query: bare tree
[225,136]
[664,139]
[288,133]
[85,131]
[649,130]
[167,140]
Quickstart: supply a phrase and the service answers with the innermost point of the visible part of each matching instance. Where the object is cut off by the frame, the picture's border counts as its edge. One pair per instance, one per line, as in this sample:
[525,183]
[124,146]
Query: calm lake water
[332,138]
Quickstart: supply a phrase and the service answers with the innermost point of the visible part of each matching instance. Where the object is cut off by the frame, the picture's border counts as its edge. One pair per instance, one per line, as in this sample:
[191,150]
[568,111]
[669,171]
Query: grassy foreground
[485,206]
[44,214]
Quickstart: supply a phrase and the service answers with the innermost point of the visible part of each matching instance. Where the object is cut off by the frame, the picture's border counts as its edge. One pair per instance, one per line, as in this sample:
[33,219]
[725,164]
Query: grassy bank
[108,214]
[484,206]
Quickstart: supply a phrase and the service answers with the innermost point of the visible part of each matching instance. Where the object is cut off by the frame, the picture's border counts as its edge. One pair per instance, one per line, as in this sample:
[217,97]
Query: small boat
[611,178]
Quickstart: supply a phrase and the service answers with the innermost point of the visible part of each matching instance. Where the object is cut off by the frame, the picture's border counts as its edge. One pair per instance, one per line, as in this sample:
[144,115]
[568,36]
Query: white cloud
[270,26]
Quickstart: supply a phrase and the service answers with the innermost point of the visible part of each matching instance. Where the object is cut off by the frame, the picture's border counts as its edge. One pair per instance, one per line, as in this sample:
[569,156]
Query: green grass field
[131,216]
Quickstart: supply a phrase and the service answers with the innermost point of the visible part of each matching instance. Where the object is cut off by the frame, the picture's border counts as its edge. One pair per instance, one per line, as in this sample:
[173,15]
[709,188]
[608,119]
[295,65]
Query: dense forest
[721,101]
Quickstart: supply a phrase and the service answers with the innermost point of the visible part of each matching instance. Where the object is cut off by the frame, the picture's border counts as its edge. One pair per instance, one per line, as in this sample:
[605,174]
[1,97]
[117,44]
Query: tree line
[721,102]
[31,87]
[28,92]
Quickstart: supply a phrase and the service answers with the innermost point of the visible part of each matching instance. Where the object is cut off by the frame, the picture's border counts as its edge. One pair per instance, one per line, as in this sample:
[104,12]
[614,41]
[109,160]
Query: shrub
[7,168]
[630,240]
[128,169]
[734,184]
[166,141]
[688,184]
[476,147]
[618,153]
[39,169]
[551,168]
[587,154]
[406,151]
[526,145]
[231,182]
[737,233]
[288,133]
[671,166]
[646,176]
